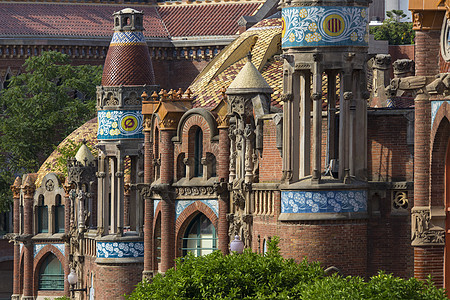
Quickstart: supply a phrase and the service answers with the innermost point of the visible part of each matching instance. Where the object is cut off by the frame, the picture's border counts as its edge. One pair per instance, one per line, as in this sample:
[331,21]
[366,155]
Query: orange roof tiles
[95,20]
[217,19]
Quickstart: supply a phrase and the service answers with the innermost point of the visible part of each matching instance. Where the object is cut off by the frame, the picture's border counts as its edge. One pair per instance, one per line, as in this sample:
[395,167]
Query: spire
[249,80]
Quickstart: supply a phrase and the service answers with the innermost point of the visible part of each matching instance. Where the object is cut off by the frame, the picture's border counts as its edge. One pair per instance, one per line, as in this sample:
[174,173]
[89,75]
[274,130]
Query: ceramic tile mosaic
[323,201]
[120,249]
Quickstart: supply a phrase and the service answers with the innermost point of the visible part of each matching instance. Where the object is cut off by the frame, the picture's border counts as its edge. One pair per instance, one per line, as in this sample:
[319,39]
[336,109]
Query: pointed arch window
[200,237]
[51,274]
[59,215]
[42,215]
[198,152]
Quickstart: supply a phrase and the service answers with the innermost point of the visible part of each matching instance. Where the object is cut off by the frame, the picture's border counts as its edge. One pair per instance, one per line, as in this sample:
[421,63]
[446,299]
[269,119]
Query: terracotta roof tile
[60,19]
[95,20]
[212,19]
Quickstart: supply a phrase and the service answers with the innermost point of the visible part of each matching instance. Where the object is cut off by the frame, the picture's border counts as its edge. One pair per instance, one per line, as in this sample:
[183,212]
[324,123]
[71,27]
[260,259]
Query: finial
[144,96]
[180,93]
[84,141]
[170,94]
[188,93]
[154,96]
[249,56]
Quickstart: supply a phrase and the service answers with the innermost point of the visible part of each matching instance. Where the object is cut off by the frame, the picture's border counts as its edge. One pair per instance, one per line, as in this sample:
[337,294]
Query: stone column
[381,77]
[346,96]
[149,205]
[317,123]
[223,173]
[304,149]
[16,229]
[28,189]
[103,195]
[67,209]
[331,116]
[167,205]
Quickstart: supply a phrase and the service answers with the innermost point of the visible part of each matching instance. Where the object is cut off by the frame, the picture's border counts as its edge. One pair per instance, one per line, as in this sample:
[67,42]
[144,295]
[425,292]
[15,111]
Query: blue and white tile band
[181,205]
[324,201]
[124,38]
[324,26]
[119,124]
[120,249]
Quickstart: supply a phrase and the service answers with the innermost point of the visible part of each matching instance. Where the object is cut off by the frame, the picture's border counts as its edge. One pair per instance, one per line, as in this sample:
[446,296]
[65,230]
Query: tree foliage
[254,276]
[41,107]
[394,30]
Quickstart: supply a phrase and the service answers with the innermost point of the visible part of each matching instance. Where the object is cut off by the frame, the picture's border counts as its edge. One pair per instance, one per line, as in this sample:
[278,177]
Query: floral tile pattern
[119,124]
[181,205]
[323,201]
[38,248]
[120,249]
[324,26]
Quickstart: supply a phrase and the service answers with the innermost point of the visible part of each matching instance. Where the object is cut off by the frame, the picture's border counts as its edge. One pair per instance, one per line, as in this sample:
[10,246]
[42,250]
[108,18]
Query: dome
[87,131]
[128,60]
[264,42]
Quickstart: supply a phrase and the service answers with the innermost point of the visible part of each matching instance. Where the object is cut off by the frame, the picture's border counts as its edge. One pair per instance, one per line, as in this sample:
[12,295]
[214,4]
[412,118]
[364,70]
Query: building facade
[285,133]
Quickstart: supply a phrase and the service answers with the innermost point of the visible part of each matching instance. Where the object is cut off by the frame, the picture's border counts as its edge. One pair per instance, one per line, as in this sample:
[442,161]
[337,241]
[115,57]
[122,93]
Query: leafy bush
[394,30]
[255,276]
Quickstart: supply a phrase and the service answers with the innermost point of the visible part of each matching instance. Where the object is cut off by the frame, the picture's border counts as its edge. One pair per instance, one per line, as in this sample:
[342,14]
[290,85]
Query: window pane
[51,274]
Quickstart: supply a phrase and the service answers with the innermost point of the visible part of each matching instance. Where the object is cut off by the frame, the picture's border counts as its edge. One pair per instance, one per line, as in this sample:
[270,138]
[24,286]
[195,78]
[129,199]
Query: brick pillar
[223,173]
[422,150]
[67,209]
[428,261]
[427,52]
[423,255]
[16,229]
[167,207]
[28,189]
[149,207]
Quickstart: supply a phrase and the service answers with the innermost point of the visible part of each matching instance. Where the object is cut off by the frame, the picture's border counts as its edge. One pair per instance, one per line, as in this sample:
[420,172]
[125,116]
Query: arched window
[198,152]
[51,274]
[59,215]
[42,215]
[200,237]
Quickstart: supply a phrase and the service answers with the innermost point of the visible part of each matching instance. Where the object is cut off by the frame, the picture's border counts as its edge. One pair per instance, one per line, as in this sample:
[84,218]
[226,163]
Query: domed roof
[128,60]
[87,131]
[264,42]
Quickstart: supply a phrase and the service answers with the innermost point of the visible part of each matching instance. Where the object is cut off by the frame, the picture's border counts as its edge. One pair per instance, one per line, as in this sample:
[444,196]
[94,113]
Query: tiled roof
[224,68]
[199,20]
[95,20]
[60,19]
[86,131]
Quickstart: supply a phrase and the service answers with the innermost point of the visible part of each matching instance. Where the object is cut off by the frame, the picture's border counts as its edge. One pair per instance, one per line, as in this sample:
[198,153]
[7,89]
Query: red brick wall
[342,244]
[429,261]
[270,163]
[389,158]
[112,280]
[174,74]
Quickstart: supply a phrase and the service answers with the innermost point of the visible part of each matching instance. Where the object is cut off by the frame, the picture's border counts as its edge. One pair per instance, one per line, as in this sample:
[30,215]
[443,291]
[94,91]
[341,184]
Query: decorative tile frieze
[119,124]
[181,205]
[324,26]
[435,105]
[120,249]
[323,201]
[38,248]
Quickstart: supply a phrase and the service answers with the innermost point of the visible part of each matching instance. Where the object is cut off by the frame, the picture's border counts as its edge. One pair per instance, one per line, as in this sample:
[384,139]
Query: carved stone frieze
[423,231]
[240,105]
[194,191]
[241,224]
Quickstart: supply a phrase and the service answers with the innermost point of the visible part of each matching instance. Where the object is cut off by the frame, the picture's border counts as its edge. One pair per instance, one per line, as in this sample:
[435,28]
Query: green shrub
[254,276]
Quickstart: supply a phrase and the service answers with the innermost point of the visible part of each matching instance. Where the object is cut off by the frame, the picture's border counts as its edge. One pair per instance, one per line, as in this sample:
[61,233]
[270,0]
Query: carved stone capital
[382,61]
[163,190]
[423,231]
[348,96]
[403,67]
[316,96]
[287,97]
[220,188]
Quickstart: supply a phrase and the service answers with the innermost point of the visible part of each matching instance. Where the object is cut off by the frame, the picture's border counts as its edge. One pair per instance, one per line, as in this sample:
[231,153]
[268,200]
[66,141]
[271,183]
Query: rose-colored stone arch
[440,134]
[185,218]
[39,259]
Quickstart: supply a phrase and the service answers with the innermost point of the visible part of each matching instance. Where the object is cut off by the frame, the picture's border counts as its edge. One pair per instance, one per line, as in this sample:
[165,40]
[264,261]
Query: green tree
[40,108]
[394,30]
[254,276]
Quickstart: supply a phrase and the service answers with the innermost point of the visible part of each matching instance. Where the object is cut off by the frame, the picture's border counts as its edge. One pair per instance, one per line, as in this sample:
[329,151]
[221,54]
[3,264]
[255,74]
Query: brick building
[277,136]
